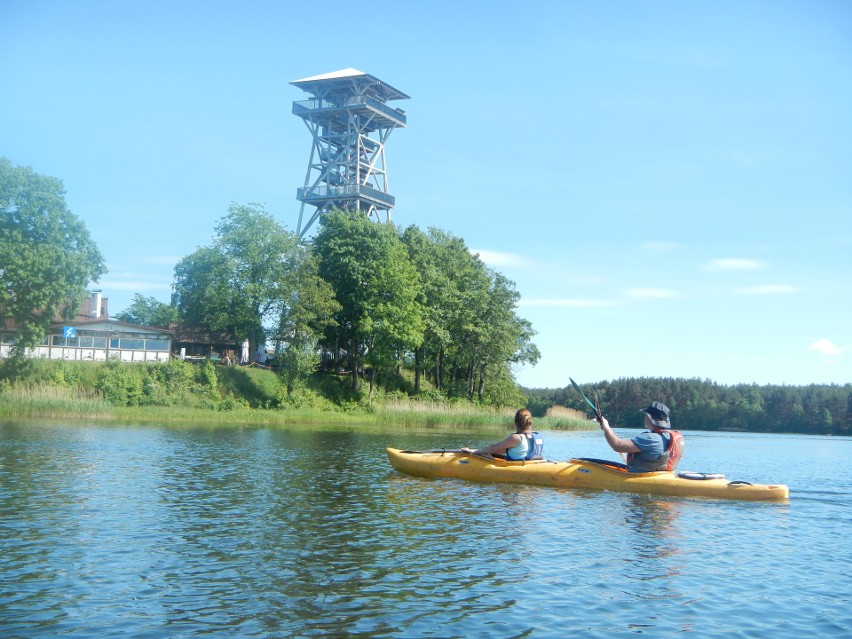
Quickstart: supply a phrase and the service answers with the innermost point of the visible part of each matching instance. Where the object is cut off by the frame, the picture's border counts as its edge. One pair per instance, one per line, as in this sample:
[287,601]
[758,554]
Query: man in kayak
[523,444]
[658,449]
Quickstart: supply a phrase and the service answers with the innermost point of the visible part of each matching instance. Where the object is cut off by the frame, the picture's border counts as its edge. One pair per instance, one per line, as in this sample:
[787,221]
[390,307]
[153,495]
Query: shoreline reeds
[56,402]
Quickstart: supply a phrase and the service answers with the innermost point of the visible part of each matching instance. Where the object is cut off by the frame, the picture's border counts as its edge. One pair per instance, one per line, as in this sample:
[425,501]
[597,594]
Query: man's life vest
[673,446]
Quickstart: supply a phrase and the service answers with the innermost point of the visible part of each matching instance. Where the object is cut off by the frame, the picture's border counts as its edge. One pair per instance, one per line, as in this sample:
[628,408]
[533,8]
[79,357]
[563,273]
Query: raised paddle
[596,407]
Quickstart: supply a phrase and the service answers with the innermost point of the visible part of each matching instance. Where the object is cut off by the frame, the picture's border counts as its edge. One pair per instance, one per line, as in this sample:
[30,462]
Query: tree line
[816,409]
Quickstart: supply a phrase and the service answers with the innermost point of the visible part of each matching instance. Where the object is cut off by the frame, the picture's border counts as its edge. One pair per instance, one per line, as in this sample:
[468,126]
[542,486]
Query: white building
[92,336]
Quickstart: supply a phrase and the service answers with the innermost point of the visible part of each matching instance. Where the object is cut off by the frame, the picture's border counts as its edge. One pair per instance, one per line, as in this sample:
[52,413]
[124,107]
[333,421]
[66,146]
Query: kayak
[592,474]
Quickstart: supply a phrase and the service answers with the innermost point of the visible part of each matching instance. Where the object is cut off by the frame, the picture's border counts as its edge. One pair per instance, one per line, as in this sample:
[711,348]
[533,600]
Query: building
[93,336]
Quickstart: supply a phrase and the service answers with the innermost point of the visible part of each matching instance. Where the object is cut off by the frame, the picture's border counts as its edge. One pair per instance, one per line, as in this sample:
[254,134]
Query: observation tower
[350,121]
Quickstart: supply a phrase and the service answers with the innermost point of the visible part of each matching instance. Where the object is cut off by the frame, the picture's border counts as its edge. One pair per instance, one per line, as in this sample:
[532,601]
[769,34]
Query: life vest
[535,446]
[673,446]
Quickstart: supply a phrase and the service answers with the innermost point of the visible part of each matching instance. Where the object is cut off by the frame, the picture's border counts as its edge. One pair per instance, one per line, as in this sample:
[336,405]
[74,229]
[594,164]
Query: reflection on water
[148,531]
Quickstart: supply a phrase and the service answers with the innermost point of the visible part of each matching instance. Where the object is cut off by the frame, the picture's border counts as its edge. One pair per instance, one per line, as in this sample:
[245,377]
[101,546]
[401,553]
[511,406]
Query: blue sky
[668,183]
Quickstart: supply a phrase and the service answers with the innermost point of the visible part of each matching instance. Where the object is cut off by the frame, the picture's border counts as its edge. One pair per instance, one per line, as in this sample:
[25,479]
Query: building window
[157,344]
[88,341]
[58,340]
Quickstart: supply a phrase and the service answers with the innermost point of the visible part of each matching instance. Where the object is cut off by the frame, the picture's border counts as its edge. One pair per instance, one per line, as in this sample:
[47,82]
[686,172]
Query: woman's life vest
[531,447]
[673,446]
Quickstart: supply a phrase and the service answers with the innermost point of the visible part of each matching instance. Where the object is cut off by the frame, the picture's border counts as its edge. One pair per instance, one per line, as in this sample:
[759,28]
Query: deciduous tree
[237,285]
[47,257]
[369,269]
[148,311]
[308,309]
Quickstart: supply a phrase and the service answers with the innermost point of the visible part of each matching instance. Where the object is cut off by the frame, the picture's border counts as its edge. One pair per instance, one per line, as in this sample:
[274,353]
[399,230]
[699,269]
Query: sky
[667,183]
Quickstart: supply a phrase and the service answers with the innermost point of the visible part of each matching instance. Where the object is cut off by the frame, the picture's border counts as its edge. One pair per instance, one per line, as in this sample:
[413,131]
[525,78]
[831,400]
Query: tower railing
[346,191]
[314,105]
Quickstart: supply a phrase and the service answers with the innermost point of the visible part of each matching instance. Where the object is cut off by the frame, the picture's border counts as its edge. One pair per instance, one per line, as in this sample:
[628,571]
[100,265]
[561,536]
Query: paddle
[440,450]
[596,407]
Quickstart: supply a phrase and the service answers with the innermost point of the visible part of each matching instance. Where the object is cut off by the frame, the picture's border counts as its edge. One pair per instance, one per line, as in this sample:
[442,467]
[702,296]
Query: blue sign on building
[69,331]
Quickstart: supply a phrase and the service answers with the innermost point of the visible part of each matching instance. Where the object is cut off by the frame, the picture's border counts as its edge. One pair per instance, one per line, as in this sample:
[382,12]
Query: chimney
[96,304]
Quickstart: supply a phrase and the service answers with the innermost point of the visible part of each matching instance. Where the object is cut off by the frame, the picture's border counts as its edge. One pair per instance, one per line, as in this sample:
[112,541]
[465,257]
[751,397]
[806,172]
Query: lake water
[149,531]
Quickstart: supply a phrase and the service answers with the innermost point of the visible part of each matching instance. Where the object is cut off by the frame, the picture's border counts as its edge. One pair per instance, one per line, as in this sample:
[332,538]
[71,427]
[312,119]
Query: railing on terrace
[305,107]
[347,191]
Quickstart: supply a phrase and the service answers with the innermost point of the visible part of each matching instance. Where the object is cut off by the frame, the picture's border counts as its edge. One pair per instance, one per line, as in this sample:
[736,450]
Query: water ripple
[152,532]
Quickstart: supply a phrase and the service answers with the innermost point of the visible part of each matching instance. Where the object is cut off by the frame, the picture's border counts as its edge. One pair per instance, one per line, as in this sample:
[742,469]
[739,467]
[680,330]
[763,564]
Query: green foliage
[705,405]
[45,372]
[207,377]
[237,286]
[303,398]
[375,283]
[307,311]
[259,388]
[147,311]
[47,257]
[472,331]
[121,384]
[175,376]
[231,403]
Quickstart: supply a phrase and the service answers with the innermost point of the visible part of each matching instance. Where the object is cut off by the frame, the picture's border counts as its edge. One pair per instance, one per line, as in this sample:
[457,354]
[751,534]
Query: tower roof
[320,84]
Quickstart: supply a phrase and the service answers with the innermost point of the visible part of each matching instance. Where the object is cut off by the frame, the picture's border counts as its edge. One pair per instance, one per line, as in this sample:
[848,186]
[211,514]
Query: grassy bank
[178,392]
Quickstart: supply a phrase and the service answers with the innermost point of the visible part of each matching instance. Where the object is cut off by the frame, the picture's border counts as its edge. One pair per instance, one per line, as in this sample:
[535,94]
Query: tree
[307,311]
[497,337]
[473,334]
[47,257]
[148,311]
[237,285]
[438,294]
[376,285]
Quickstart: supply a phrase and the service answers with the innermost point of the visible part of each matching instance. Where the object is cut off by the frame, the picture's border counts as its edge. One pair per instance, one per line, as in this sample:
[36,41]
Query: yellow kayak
[593,474]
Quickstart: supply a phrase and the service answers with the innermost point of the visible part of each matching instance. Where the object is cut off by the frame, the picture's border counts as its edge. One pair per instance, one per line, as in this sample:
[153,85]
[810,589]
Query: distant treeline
[705,405]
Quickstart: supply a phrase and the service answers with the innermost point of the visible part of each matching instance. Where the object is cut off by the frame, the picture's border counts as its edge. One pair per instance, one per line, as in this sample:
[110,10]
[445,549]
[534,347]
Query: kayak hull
[576,473]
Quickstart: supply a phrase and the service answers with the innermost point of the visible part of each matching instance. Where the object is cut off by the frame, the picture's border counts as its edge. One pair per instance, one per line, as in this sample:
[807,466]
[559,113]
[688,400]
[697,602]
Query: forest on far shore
[695,404]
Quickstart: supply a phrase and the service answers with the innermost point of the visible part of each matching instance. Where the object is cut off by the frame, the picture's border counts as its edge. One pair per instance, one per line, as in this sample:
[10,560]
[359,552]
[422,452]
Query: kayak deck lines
[584,473]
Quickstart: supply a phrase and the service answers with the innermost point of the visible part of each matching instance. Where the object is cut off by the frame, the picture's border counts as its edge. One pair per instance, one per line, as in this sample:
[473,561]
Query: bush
[175,376]
[122,384]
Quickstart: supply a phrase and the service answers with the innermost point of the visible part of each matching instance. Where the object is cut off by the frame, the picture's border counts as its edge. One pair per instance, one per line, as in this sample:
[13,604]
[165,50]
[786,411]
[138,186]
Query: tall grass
[465,415]
[58,402]
[177,392]
[43,400]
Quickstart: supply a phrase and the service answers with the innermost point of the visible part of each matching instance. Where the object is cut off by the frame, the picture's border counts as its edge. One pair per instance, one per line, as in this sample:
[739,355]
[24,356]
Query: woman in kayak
[523,444]
[658,449]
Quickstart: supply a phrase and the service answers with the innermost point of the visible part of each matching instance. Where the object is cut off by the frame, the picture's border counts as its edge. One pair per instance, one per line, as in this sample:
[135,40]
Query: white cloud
[768,289]
[651,293]
[734,264]
[565,303]
[825,347]
[496,258]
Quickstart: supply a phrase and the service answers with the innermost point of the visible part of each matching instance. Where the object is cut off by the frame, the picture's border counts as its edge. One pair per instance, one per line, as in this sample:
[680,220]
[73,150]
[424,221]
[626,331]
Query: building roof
[323,83]
[114,325]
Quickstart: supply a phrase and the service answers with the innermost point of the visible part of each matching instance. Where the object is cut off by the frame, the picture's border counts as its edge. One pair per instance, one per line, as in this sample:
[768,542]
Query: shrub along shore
[180,392]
